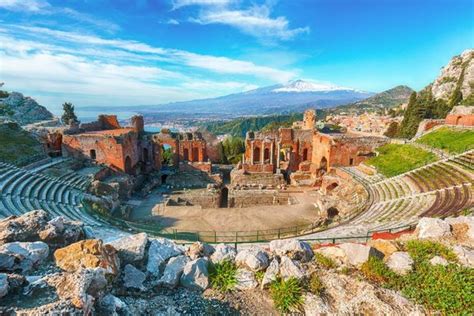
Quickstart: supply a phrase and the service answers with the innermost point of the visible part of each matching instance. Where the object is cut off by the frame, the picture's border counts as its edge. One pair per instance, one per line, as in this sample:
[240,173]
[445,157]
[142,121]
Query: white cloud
[24,5]
[172,22]
[183,3]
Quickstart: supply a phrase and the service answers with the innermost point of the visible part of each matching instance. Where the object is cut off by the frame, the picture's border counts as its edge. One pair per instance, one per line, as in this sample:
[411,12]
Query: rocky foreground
[52,266]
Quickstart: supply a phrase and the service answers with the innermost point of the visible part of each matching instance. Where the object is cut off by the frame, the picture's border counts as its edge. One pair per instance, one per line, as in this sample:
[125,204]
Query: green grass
[222,276]
[324,261]
[287,295]
[395,159]
[16,144]
[451,140]
[423,250]
[315,285]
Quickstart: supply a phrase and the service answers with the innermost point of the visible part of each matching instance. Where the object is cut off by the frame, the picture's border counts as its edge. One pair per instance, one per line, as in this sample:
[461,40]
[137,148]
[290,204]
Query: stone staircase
[23,190]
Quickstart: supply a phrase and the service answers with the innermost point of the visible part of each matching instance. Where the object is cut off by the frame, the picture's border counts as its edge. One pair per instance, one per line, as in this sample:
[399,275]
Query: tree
[392,130]
[221,151]
[69,117]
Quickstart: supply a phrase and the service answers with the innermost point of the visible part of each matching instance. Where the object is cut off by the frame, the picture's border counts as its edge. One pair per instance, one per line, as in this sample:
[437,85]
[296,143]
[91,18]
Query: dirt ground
[194,218]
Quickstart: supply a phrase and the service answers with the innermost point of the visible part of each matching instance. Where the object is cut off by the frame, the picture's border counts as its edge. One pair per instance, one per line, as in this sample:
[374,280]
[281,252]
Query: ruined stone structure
[127,149]
[302,154]
[461,115]
[189,150]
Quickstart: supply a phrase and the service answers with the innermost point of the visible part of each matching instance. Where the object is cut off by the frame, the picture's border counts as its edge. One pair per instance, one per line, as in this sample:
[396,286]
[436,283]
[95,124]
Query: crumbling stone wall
[252,198]
[461,115]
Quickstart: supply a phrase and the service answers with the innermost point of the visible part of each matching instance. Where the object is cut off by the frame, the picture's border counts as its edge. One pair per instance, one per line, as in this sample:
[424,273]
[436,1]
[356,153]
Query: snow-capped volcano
[308,86]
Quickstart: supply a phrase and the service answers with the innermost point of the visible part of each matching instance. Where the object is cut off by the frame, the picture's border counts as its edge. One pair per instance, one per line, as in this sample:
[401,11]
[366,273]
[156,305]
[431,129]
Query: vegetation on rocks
[452,140]
[315,285]
[394,159]
[287,295]
[17,145]
[222,275]
[324,261]
[231,149]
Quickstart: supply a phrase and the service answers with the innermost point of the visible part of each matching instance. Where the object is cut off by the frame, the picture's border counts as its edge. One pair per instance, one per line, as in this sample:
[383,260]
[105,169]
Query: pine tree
[69,117]
[392,130]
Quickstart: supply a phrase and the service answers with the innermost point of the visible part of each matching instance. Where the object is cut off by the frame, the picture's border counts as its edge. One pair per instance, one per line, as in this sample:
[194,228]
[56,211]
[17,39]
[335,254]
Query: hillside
[17,145]
[21,109]
[386,99]
[295,96]
[454,86]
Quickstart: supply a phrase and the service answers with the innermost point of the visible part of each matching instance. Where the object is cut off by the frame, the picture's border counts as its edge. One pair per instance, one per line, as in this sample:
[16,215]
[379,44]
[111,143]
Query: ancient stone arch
[266,154]
[185,154]
[256,154]
[332,212]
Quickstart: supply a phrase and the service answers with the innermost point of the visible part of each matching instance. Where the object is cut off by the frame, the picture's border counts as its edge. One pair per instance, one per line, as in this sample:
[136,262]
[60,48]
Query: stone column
[271,153]
[262,151]
[251,152]
[278,155]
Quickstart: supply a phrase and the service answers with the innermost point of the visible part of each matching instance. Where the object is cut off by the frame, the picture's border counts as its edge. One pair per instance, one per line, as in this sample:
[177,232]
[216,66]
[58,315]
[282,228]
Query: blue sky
[124,52]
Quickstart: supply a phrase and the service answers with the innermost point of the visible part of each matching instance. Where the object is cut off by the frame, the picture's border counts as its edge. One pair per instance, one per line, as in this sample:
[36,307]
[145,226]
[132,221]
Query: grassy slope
[394,159]
[448,139]
[16,143]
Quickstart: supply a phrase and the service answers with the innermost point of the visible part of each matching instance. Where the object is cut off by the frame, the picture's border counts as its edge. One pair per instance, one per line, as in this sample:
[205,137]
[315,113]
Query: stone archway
[305,154]
[323,165]
[256,154]
[93,154]
[195,154]
[266,154]
[332,212]
[331,187]
[185,154]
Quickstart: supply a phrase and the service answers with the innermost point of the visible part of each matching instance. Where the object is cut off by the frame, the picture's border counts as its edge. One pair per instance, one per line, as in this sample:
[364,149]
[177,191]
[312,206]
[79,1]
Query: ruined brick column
[262,151]
[251,152]
[271,153]
[278,155]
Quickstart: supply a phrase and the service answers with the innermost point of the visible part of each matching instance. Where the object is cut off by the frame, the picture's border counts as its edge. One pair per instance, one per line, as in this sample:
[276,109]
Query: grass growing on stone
[287,295]
[451,140]
[395,159]
[447,289]
[222,276]
[17,144]
[315,285]
[324,261]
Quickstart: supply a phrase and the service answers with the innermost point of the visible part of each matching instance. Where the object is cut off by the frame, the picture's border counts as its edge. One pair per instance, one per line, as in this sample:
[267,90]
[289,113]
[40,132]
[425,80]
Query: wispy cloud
[184,3]
[24,5]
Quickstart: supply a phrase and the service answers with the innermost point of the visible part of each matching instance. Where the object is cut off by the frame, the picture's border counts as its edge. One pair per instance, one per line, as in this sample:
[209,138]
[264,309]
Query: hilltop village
[108,218]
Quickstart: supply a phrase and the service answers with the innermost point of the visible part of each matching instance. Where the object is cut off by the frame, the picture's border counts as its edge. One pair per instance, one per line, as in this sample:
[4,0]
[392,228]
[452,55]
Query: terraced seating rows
[23,190]
[440,189]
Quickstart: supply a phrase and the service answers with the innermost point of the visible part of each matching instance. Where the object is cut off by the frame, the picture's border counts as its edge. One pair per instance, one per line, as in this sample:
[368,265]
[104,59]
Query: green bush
[376,271]
[324,261]
[222,275]
[423,250]
[287,295]
[259,276]
[315,285]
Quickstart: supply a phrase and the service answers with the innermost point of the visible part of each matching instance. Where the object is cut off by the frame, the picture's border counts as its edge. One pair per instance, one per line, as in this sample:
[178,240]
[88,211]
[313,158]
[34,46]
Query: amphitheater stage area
[303,212]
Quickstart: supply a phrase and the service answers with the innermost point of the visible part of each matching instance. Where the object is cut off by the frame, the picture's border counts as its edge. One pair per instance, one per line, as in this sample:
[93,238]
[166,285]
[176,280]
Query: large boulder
[400,262]
[438,261]
[334,253]
[90,253]
[271,273]
[462,229]
[60,232]
[199,250]
[173,271]
[432,228]
[292,248]
[252,258]
[112,305]
[160,250]
[82,288]
[133,278]
[465,256]
[357,254]
[22,256]
[387,247]
[23,228]
[245,280]
[131,248]
[3,285]
[290,269]
[195,275]
[223,252]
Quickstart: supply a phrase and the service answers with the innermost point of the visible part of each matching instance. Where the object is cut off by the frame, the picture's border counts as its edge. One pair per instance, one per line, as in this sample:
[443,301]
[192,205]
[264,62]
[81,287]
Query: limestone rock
[199,250]
[293,248]
[253,258]
[271,273]
[26,109]
[462,228]
[223,252]
[82,287]
[432,228]
[130,249]
[400,262]
[195,275]
[173,271]
[112,305]
[22,228]
[161,250]
[357,254]
[3,285]
[90,253]
[61,232]
[314,305]
[133,278]
[245,280]
[22,255]
[387,247]
[290,268]
[336,254]
[437,260]
[465,256]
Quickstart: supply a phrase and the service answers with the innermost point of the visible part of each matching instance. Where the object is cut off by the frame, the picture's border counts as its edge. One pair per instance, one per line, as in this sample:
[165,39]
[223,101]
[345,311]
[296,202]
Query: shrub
[222,275]
[376,271]
[315,285]
[259,276]
[423,250]
[286,295]
[448,289]
[324,261]
[346,270]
